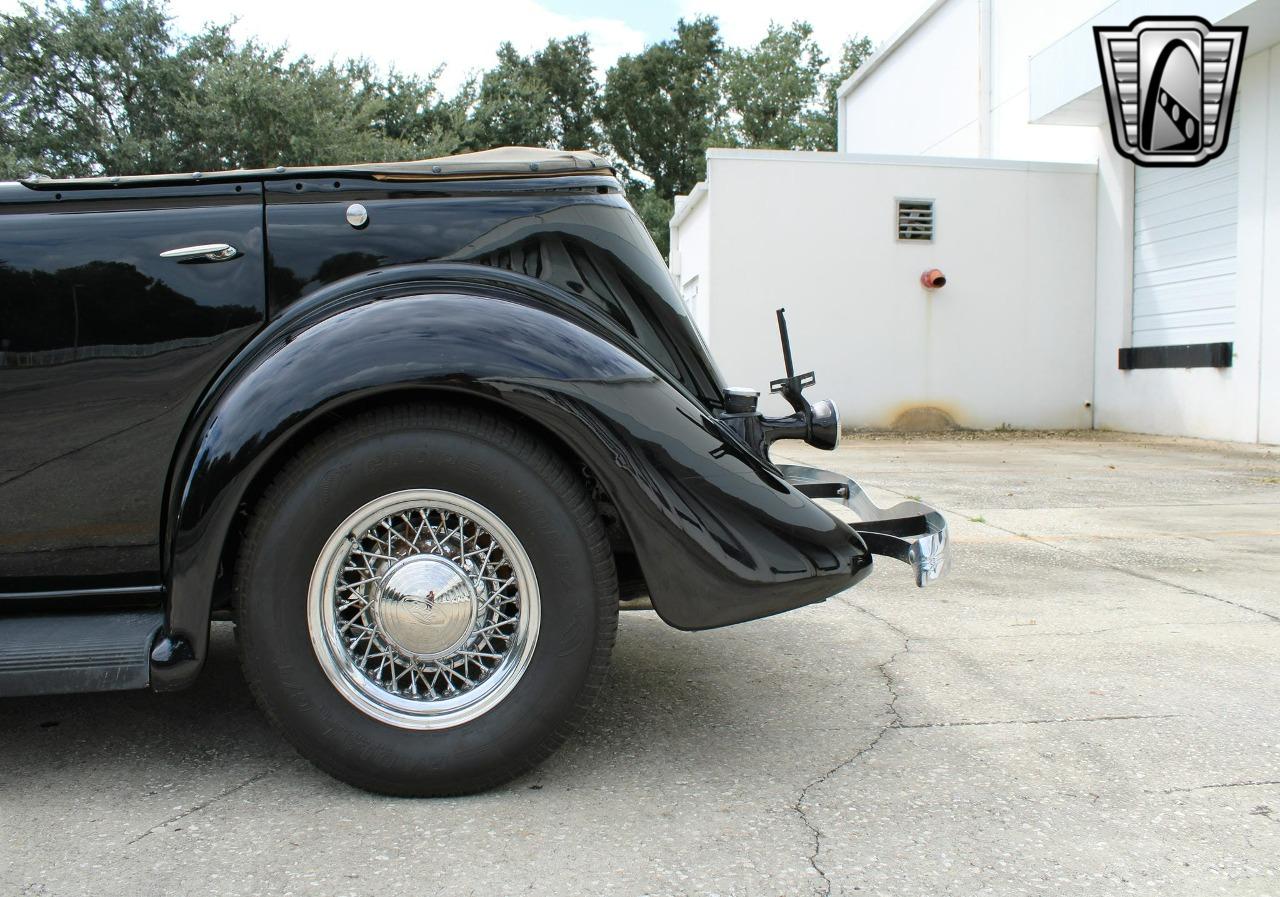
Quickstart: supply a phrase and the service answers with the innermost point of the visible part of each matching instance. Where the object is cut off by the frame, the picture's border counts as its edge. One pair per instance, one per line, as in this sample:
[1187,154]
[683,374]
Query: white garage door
[1184,251]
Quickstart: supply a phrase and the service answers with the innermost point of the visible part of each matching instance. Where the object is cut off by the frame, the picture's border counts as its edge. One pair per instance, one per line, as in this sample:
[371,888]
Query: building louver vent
[915,219]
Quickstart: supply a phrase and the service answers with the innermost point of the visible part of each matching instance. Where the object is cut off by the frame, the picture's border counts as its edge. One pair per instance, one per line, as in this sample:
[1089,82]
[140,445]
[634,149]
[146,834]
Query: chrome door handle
[206,252]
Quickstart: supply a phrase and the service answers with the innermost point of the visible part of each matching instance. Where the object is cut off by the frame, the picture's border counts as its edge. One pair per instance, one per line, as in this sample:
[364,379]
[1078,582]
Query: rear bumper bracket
[910,531]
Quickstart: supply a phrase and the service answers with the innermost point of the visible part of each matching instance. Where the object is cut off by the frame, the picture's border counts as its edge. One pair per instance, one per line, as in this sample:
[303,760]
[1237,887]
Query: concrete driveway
[1089,705]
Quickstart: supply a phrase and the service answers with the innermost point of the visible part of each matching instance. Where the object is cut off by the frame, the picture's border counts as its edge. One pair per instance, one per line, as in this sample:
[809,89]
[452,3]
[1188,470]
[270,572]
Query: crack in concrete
[895,721]
[1137,574]
[221,795]
[1266,813]
[1033,722]
[1250,784]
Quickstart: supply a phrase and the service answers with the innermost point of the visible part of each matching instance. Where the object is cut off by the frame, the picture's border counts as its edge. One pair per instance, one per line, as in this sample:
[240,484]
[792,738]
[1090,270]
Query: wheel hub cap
[426,606]
[423,609]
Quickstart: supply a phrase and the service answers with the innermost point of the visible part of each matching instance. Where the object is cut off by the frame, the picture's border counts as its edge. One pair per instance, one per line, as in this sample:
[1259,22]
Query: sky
[415,37]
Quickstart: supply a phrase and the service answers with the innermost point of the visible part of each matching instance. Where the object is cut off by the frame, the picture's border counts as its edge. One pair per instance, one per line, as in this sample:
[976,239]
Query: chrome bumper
[910,531]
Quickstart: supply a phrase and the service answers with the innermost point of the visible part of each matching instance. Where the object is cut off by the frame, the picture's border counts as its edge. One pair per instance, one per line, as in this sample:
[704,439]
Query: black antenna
[786,343]
[791,386]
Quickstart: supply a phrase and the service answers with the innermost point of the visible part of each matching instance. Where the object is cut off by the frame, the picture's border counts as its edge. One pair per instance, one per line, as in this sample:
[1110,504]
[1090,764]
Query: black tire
[493,462]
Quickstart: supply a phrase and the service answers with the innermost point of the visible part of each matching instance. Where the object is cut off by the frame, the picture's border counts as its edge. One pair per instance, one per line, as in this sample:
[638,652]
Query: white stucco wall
[1008,341]
[1269,288]
[1019,30]
[923,96]
[1242,402]
[957,85]
[1057,86]
[690,254]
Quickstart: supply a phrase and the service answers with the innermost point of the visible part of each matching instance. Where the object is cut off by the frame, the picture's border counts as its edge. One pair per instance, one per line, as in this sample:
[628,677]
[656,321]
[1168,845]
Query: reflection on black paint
[102,304]
[344,264]
[590,245]
[104,349]
[598,278]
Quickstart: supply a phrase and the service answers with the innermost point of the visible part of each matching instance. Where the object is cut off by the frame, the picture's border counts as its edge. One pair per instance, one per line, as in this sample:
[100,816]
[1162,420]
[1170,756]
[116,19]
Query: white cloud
[413,37]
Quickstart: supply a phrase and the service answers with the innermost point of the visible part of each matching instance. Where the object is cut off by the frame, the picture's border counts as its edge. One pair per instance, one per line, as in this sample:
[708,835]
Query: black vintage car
[417,428]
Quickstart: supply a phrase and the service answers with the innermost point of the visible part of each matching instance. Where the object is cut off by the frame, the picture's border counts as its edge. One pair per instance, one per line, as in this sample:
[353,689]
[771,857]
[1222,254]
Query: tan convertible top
[503,162]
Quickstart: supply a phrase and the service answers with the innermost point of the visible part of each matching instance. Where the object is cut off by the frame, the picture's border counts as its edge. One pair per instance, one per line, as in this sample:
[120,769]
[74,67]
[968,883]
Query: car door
[112,323]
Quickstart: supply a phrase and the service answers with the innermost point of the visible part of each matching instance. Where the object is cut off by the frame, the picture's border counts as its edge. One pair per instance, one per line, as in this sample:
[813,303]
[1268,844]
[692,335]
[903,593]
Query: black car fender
[720,536]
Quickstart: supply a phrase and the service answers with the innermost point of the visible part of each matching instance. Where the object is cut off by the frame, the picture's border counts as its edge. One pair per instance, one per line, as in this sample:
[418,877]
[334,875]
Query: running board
[77,652]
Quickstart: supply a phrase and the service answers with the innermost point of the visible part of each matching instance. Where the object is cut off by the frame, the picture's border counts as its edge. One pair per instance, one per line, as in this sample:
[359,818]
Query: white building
[985,119]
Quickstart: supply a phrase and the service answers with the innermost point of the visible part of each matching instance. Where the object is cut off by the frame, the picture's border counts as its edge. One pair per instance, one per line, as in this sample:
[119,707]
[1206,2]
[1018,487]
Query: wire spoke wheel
[398,635]
[423,609]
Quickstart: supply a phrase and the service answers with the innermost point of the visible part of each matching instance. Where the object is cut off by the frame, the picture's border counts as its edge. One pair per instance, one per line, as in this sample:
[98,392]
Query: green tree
[250,108]
[10,165]
[509,110]
[90,88]
[571,92]
[546,99]
[661,106]
[107,88]
[415,114]
[774,89]
[655,211]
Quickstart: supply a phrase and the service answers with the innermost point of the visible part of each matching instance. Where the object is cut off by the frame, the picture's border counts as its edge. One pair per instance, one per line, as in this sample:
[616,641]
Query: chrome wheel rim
[423,609]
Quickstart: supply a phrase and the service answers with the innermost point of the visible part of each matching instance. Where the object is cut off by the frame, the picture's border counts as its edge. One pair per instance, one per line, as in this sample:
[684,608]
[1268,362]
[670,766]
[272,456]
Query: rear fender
[720,536]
